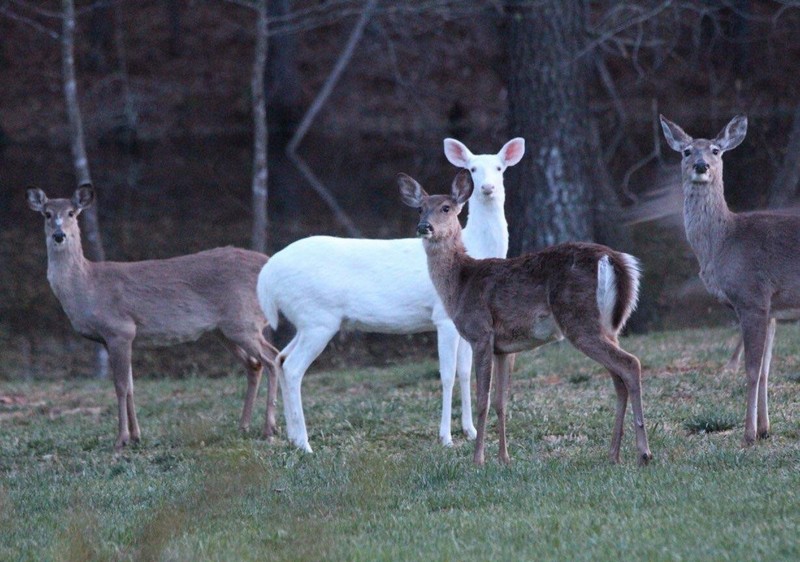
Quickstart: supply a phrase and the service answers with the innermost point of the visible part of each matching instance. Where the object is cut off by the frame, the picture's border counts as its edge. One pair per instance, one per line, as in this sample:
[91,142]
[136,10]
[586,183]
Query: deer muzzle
[59,236]
[424,229]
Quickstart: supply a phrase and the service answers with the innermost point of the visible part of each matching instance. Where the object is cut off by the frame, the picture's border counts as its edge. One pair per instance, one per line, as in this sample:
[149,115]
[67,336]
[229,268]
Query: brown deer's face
[60,215]
[438,214]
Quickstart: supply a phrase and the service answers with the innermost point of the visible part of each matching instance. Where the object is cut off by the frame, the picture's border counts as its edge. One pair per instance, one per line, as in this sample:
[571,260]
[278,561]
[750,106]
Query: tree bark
[282,84]
[260,169]
[91,229]
[548,107]
[783,190]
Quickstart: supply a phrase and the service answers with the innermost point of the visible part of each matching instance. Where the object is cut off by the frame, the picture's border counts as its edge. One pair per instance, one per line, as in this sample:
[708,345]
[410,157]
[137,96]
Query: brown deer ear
[677,139]
[411,192]
[83,196]
[733,134]
[462,187]
[36,199]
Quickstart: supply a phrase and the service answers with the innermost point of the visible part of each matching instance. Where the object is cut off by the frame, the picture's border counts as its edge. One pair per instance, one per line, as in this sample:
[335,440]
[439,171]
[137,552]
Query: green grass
[379,487]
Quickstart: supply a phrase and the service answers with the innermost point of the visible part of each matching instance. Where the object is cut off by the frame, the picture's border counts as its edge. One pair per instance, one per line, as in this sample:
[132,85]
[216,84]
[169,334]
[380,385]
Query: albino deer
[748,260]
[158,302]
[584,292]
[323,284]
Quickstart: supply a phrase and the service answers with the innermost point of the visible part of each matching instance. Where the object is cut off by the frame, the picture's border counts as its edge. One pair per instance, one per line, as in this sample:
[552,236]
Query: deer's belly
[541,330]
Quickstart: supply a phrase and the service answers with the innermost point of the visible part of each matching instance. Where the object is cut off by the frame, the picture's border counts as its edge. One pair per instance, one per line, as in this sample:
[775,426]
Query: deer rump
[554,300]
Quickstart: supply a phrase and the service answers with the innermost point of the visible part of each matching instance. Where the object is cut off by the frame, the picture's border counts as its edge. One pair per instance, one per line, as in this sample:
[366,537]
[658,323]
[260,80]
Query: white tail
[159,302]
[580,291]
[750,261]
[323,284]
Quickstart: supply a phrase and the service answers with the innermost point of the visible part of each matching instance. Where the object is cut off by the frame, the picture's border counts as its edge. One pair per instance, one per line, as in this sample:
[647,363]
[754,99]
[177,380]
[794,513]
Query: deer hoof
[446,441]
[748,441]
[645,458]
[471,433]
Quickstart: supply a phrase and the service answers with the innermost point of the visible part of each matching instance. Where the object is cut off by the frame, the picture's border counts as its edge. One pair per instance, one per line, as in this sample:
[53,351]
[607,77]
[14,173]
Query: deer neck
[68,272]
[486,231]
[446,258]
[706,217]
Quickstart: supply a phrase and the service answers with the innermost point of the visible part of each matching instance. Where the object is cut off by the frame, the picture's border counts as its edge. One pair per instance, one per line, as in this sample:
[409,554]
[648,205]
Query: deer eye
[715,151]
[419,210]
[446,209]
[473,169]
[499,169]
[48,214]
[687,152]
[71,213]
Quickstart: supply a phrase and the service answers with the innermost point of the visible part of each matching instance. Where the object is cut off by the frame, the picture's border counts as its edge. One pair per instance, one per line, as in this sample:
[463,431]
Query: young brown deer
[158,302]
[748,260]
[584,292]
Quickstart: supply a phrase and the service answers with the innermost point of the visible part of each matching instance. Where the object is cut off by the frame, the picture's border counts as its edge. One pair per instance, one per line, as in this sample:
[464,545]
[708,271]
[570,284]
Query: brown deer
[584,292]
[747,260]
[156,302]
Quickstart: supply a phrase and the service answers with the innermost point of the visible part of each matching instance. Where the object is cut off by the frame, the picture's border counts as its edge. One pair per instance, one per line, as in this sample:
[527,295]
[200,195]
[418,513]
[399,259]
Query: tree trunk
[260,170]
[547,106]
[282,84]
[784,188]
[91,230]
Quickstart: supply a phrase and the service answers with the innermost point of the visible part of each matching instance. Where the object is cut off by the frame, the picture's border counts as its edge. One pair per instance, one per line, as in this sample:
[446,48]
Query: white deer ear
[462,187]
[36,199]
[457,153]
[733,134]
[83,196]
[677,139]
[411,192]
[512,151]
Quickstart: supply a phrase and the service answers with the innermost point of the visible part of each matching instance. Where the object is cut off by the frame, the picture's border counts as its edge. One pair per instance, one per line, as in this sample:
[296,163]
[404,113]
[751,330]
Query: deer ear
[457,153]
[677,139]
[83,196]
[733,134]
[411,192]
[512,151]
[462,187]
[36,199]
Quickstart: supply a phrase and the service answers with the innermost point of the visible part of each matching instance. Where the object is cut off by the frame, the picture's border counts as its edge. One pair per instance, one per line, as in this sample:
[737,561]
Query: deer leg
[754,333]
[736,356]
[629,370]
[484,354]
[762,425]
[133,422]
[464,372]
[119,353]
[270,422]
[309,345]
[619,420]
[502,368]
[447,339]
[245,352]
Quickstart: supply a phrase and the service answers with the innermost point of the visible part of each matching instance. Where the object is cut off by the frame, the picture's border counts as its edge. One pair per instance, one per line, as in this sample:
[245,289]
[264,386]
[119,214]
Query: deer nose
[59,237]
[701,167]
[487,189]
[424,229]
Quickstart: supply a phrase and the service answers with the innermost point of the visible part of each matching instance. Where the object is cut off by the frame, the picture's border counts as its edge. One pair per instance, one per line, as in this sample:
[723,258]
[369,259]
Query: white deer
[323,284]
[584,292]
[156,302]
[747,260]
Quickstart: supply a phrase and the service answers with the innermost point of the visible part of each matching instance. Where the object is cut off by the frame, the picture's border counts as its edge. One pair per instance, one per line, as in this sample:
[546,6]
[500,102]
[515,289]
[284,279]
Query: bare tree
[547,106]
[94,244]
[260,170]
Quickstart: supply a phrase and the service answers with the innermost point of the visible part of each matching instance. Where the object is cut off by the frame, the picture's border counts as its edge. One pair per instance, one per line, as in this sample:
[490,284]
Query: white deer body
[323,284]
[156,302]
[748,260]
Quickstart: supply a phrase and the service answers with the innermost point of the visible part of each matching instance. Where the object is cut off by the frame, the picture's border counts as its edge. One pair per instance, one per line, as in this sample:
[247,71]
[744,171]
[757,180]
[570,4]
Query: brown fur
[502,306]
[158,303]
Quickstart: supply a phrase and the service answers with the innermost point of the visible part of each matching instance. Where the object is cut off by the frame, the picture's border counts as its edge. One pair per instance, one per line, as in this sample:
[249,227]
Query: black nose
[701,167]
[59,237]
[424,228]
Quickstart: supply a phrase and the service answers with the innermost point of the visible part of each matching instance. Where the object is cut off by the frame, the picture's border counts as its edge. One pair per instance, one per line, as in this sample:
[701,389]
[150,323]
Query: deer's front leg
[483,352]
[754,325]
[502,369]
[762,424]
[119,353]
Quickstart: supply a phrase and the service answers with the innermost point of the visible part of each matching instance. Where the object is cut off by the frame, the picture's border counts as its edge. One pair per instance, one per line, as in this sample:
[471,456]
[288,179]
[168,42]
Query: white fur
[607,291]
[323,284]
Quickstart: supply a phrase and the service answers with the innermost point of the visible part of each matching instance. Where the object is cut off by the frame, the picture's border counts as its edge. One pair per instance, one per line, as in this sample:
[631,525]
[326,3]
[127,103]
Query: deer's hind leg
[762,425]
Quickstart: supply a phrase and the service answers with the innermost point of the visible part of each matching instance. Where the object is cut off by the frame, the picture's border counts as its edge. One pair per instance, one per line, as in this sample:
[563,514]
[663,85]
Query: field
[379,487]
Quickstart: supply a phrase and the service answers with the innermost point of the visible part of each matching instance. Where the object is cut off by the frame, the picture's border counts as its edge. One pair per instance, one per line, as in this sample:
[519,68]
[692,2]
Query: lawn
[379,487]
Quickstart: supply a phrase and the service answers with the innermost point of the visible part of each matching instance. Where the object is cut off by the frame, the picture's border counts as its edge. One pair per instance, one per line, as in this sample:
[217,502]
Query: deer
[157,303]
[747,260]
[323,284]
[580,291]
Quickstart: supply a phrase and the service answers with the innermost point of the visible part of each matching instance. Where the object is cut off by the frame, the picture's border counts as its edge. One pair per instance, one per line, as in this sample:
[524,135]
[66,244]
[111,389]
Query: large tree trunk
[260,170]
[783,190]
[91,228]
[282,84]
[552,200]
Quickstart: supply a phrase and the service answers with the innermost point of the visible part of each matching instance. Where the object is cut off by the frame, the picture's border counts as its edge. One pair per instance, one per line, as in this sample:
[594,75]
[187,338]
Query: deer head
[702,158]
[438,214]
[486,169]
[61,215]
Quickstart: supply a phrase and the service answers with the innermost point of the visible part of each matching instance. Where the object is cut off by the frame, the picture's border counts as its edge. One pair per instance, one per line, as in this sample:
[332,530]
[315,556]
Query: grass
[379,487]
